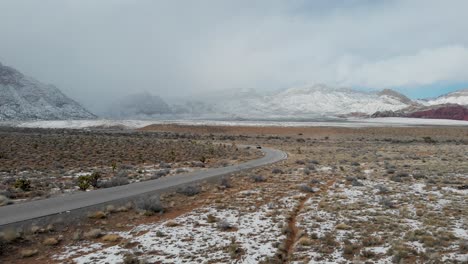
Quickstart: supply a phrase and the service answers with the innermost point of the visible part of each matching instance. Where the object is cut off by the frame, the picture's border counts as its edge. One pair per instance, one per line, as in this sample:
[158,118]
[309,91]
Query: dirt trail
[293,231]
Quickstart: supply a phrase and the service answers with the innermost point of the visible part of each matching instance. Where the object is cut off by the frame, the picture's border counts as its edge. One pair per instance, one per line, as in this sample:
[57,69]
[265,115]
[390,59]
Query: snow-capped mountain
[314,101]
[458,97]
[24,98]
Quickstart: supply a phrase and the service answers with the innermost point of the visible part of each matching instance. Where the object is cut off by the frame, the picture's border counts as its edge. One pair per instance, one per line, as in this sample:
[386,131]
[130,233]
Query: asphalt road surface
[16,213]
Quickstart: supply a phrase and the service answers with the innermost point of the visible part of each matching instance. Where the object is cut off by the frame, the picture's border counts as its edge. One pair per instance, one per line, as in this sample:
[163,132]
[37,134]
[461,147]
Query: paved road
[31,210]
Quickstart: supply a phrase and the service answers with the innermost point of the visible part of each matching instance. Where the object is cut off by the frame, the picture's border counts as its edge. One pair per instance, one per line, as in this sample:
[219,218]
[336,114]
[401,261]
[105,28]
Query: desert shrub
[97,215]
[224,225]
[429,140]
[463,246]
[382,189]
[234,249]
[189,190]
[8,194]
[150,204]
[371,241]
[130,259]
[94,233]
[114,181]
[3,246]
[203,159]
[198,164]
[277,171]
[211,218]
[160,174]
[226,183]
[257,178]
[23,184]
[419,176]
[306,188]
[86,181]
[368,254]
[315,181]
[165,165]
[387,203]
[27,253]
[300,162]
[306,171]
[329,239]
[350,178]
[356,182]
[4,200]
[94,179]
[111,238]
[51,241]
[83,183]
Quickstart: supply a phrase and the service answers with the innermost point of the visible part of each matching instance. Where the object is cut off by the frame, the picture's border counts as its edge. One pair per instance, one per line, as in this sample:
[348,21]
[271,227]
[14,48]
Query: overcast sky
[97,51]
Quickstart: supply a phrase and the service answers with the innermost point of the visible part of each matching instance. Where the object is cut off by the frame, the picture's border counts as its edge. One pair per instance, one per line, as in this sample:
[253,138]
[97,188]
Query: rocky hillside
[446,111]
[24,98]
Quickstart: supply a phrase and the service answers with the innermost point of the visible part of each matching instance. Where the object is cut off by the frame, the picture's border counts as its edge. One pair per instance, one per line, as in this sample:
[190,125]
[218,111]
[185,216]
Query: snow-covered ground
[192,238]
[134,124]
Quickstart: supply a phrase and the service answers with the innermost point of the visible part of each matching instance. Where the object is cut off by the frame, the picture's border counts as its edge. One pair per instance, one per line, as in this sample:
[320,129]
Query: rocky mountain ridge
[24,98]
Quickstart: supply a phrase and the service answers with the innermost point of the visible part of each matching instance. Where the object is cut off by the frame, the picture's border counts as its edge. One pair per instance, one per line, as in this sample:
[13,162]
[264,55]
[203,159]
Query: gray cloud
[97,51]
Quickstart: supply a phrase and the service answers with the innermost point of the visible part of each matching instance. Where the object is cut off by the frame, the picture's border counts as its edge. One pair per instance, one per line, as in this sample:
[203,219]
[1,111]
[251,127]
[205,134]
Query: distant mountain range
[304,103]
[24,98]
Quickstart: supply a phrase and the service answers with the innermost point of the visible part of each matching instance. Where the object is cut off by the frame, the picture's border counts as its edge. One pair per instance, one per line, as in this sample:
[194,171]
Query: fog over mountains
[24,98]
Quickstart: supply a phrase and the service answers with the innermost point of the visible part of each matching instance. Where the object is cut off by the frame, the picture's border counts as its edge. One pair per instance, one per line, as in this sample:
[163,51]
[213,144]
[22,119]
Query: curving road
[16,213]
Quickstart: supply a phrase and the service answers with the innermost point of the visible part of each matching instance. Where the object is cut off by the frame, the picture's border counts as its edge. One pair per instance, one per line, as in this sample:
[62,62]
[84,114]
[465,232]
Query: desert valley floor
[343,195]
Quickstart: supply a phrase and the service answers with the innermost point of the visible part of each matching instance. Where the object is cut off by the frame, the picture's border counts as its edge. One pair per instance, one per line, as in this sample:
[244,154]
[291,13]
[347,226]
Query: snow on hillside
[24,98]
[459,97]
[315,101]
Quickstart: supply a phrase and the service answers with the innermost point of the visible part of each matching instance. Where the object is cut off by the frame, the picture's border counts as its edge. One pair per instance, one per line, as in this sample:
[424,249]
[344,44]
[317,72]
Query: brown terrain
[362,195]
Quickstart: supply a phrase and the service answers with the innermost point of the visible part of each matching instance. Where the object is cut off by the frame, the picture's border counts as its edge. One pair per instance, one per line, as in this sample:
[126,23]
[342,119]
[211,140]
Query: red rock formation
[455,112]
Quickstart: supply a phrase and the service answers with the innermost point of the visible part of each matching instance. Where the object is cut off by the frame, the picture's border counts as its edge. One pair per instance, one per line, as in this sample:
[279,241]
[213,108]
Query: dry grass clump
[171,223]
[305,241]
[27,253]
[111,238]
[343,226]
[10,235]
[51,241]
[97,215]
[93,233]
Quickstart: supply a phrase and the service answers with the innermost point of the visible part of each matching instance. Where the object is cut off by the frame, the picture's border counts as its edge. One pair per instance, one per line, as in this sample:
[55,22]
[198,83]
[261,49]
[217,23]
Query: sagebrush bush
[151,204]
[224,225]
[189,190]
[226,183]
[306,188]
[114,181]
[258,178]
[277,171]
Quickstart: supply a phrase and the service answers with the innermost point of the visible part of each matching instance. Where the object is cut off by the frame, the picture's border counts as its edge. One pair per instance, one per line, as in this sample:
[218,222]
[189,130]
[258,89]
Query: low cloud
[99,51]
[426,67]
